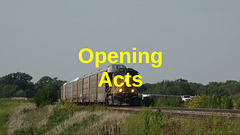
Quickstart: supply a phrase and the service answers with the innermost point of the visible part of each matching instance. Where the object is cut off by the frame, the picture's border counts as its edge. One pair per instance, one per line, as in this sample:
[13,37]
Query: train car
[85,89]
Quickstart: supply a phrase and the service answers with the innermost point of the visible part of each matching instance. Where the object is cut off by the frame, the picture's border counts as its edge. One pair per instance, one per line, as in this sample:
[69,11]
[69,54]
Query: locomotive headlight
[120,90]
[132,90]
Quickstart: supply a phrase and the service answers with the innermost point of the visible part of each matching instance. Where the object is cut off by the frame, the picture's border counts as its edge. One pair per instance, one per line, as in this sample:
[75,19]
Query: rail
[183,111]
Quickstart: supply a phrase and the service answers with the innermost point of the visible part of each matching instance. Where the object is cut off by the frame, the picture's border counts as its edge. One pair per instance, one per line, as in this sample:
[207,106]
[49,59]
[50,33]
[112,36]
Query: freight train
[85,89]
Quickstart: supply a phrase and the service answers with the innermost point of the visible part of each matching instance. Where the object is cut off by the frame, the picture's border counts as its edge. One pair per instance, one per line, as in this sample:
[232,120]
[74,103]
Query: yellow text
[105,79]
[113,57]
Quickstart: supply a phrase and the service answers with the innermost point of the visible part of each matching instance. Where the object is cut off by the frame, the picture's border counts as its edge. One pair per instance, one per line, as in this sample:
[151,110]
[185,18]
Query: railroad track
[183,111]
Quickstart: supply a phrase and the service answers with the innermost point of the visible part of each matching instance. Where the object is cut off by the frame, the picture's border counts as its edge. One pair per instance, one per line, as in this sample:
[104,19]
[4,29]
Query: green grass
[211,102]
[236,100]
[80,128]
[96,107]
[58,116]
[147,122]
[144,122]
[3,120]
[168,102]
[6,104]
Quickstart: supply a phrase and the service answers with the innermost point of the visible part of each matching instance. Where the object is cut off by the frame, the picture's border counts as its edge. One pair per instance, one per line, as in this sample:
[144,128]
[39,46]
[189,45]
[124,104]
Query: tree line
[20,85]
[183,87]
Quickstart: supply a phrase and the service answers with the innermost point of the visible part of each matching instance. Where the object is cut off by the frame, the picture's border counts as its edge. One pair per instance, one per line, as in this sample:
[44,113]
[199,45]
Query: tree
[17,81]
[48,90]
[47,95]
[44,81]
[7,91]
[166,87]
[20,93]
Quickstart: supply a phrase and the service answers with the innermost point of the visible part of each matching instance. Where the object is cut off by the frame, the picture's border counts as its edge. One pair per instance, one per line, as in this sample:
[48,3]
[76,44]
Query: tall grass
[72,119]
[236,100]
[205,101]
[91,107]
[199,101]
[168,102]
[58,116]
[6,105]
[80,128]
[61,114]
[147,122]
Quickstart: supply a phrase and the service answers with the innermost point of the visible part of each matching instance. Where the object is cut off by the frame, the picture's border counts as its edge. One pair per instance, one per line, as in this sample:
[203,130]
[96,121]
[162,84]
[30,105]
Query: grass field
[24,118]
[148,122]
[6,105]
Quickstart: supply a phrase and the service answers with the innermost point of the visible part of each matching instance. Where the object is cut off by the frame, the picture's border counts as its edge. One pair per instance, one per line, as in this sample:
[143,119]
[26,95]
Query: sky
[199,40]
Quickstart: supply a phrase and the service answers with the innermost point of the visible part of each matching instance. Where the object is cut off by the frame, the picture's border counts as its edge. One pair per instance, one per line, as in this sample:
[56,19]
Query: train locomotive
[85,90]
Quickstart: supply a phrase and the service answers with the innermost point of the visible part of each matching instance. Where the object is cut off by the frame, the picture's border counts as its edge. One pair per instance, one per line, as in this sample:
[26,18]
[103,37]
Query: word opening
[112,57]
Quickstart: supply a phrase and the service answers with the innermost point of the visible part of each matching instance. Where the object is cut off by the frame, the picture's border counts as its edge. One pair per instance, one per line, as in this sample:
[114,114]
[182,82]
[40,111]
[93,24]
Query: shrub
[204,101]
[47,95]
[168,102]
[237,102]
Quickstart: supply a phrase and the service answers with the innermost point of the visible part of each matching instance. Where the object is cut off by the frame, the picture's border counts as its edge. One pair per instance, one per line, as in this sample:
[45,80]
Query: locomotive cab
[123,95]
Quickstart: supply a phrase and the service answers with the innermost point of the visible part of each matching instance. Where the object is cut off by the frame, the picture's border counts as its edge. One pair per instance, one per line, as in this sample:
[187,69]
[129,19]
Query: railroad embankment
[23,117]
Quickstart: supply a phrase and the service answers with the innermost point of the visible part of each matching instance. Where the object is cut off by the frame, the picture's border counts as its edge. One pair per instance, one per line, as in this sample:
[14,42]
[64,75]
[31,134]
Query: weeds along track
[184,112]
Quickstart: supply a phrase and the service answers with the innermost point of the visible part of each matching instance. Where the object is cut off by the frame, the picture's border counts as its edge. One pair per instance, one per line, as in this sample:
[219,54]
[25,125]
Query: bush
[204,101]
[237,103]
[47,95]
[168,102]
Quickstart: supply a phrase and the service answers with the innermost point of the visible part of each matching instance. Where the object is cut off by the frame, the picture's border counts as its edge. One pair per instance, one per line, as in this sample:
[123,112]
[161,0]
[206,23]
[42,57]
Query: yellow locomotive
[85,89]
